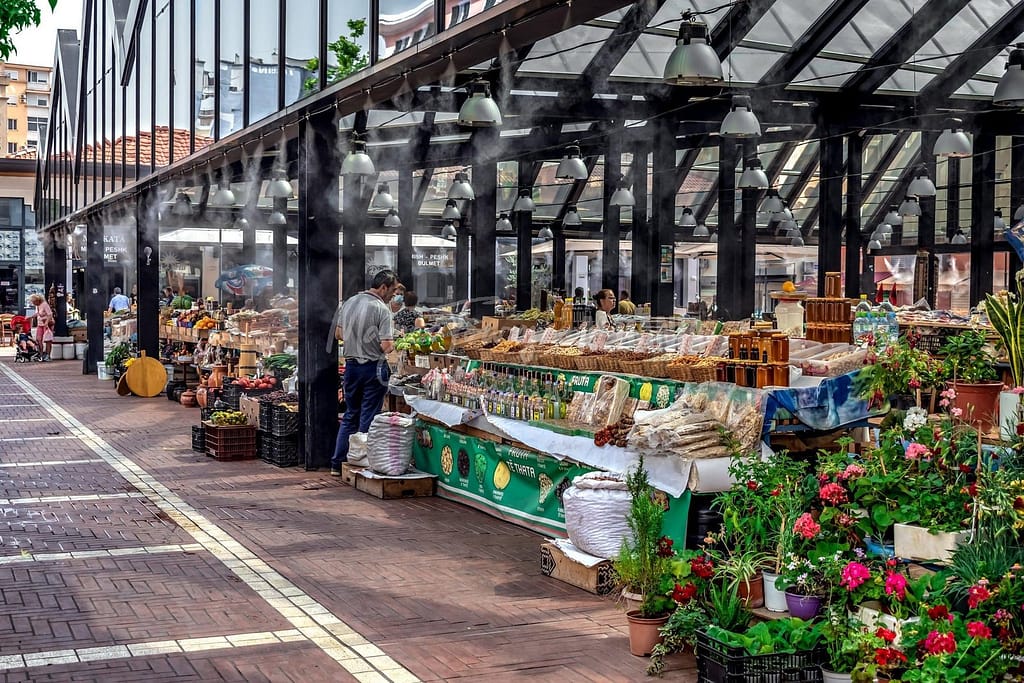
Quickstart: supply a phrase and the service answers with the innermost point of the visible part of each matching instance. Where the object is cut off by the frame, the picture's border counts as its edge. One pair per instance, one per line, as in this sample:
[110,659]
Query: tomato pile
[256,382]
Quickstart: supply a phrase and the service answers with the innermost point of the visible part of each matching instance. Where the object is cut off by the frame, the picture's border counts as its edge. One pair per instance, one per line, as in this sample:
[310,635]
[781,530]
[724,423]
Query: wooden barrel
[247,360]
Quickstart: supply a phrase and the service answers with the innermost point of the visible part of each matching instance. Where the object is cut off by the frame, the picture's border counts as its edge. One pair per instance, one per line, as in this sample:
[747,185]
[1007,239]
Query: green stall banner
[515,484]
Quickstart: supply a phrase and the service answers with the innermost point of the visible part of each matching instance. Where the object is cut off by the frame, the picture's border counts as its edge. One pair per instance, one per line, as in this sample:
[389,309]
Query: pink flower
[944,403]
[853,471]
[916,451]
[977,595]
[956,412]
[976,629]
[949,393]
[833,493]
[895,585]
[806,526]
[939,643]
[914,383]
[1018,390]
[853,575]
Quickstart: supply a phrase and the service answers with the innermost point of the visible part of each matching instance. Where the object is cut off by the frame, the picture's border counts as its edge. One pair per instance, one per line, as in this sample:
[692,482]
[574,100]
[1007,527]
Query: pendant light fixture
[279,187]
[959,238]
[449,232]
[714,237]
[893,217]
[525,201]
[772,202]
[241,223]
[461,189]
[451,211]
[1018,215]
[392,220]
[797,240]
[885,230]
[182,205]
[1010,89]
[788,226]
[921,185]
[740,122]
[382,201]
[357,161]
[753,177]
[571,167]
[874,244]
[997,222]
[545,233]
[572,216]
[277,219]
[693,61]
[786,214]
[222,196]
[479,111]
[622,196]
[688,220]
[953,141]
[701,231]
[910,206]
[503,224]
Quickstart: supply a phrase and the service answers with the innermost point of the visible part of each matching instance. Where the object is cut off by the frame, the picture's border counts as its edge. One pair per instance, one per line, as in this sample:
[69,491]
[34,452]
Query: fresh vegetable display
[284,362]
[256,382]
[422,341]
[228,417]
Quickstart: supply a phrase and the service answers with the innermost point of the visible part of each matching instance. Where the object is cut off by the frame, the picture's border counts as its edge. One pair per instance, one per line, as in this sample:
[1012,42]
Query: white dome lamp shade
[182,205]
[753,176]
[622,196]
[789,226]
[382,201]
[688,220]
[571,167]
[874,244]
[714,237]
[772,202]
[545,233]
[572,216]
[910,206]
[893,217]
[451,211]
[740,122]
[1010,89]
[277,219]
[959,238]
[503,224]
[797,240]
[480,110]
[279,187]
[461,189]
[998,223]
[392,220]
[241,223]
[885,230]
[953,141]
[921,185]
[1018,215]
[222,196]
[357,161]
[701,231]
[524,202]
[449,232]
[693,61]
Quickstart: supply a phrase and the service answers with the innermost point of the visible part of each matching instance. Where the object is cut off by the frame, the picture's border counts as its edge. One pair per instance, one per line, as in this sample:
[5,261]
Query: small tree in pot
[969,366]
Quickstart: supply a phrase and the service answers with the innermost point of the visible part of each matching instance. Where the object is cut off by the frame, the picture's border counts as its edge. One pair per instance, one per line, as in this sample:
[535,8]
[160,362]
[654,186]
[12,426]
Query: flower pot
[774,599]
[878,549]
[1009,414]
[188,399]
[979,403]
[643,633]
[917,543]
[631,601]
[872,613]
[835,676]
[804,607]
[751,591]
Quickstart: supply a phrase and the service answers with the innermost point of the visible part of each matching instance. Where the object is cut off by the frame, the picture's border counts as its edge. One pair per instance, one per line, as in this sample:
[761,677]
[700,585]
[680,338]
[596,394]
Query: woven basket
[702,373]
[505,356]
[658,366]
[472,354]
[588,363]
[679,372]
[632,367]
[608,362]
[487,355]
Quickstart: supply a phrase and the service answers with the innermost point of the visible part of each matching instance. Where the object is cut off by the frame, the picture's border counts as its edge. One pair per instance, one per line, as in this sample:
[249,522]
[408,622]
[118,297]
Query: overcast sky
[36,46]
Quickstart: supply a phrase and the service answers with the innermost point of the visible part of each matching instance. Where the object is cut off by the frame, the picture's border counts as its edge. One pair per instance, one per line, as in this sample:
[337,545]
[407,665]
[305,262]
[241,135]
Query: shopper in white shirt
[605,300]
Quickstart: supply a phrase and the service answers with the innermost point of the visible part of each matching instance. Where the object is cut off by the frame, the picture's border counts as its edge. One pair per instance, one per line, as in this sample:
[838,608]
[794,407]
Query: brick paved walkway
[125,556]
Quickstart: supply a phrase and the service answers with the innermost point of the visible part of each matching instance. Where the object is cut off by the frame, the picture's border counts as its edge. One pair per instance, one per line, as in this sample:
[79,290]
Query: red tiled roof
[111,152]
[25,153]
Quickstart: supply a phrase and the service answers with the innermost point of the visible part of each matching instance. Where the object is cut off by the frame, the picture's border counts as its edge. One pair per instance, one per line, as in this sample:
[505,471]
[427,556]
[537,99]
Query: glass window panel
[347,20]
[826,73]
[160,82]
[183,97]
[784,23]
[263,62]
[302,25]
[203,106]
[568,52]
[647,57]
[873,25]
[146,83]
[958,35]
[400,25]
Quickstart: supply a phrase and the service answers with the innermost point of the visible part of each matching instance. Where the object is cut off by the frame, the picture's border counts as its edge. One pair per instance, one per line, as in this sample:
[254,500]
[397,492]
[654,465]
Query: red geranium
[683,594]
[833,493]
[940,612]
[885,634]
[976,595]
[940,643]
[976,629]
[665,547]
[702,567]
[887,657]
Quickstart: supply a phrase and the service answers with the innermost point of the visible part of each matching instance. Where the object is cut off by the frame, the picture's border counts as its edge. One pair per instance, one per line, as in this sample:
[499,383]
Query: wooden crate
[599,579]
[390,489]
[348,473]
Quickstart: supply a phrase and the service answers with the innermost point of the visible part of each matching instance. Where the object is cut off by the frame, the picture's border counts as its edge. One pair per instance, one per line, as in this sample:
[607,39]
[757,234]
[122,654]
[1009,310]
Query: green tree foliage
[347,53]
[16,16]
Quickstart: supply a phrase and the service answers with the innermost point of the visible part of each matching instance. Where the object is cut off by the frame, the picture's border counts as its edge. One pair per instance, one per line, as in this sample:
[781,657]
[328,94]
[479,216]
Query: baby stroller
[26,346]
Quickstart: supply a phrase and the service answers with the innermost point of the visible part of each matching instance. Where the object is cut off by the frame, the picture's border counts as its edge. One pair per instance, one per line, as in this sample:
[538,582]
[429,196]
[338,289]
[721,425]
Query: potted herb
[838,632]
[969,366]
[645,562]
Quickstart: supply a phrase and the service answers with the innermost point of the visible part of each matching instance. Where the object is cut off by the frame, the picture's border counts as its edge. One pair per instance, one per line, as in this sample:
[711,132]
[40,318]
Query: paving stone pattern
[132,558]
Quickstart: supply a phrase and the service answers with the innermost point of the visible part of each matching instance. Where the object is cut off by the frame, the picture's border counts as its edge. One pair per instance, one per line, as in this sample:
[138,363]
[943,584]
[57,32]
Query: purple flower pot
[804,607]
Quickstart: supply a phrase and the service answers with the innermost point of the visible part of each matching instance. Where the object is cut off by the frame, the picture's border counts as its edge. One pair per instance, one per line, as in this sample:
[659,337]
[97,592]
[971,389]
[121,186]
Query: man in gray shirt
[365,325]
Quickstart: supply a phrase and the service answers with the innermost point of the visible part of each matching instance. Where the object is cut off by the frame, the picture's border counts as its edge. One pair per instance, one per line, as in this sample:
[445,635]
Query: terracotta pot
[980,403]
[752,591]
[188,399]
[643,633]
[632,601]
[201,396]
[217,373]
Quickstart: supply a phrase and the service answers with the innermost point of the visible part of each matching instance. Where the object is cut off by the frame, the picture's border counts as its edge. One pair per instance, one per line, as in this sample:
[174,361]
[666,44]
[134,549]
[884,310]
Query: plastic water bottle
[888,325]
[862,319]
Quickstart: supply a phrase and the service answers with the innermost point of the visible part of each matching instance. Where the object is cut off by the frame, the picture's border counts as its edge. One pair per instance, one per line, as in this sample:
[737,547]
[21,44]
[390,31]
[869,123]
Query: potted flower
[643,562]
[897,371]
[1006,313]
[945,647]
[809,579]
[969,366]
[878,656]
[839,632]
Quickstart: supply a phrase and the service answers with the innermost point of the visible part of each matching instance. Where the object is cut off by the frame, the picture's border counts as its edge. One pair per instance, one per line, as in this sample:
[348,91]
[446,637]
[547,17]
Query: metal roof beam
[594,76]
[898,190]
[736,24]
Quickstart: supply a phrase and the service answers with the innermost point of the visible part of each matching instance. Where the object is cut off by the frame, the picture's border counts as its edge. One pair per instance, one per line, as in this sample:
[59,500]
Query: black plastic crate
[199,438]
[278,420]
[282,451]
[231,395]
[718,662]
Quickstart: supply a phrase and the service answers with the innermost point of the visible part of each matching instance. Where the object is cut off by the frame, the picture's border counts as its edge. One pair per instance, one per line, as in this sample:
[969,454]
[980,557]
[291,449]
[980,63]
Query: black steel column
[747,230]
[558,259]
[318,286]
[407,214]
[248,212]
[280,247]
[644,243]
[55,269]
[830,201]
[611,233]
[926,221]
[663,214]
[462,243]
[854,199]
[730,281]
[522,222]
[147,237]
[983,207]
[1016,199]
[485,180]
[952,196]
[353,229]
[95,294]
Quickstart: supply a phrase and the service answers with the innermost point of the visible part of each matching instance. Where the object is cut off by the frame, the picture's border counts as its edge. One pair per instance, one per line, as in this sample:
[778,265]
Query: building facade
[24,108]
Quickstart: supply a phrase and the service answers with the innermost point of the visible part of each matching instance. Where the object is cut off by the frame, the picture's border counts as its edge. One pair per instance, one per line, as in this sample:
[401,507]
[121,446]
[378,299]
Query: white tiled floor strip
[51,463]
[69,499]
[27,556]
[156,647]
[361,658]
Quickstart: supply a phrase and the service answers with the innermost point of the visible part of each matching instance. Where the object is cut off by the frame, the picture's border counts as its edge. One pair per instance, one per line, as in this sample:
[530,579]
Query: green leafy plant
[896,367]
[838,632]
[118,355]
[678,632]
[726,609]
[968,358]
[347,53]
[779,636]
[1006,313]
[945,647]
[15,16]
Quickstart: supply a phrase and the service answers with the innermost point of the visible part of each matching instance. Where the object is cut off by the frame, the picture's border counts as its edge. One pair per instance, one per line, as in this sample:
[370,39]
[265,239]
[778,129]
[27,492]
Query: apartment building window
[37,77]
[460,13]
[32,143]
[13,75]
[37,123]
[42,102]
[12,147]
[12,124]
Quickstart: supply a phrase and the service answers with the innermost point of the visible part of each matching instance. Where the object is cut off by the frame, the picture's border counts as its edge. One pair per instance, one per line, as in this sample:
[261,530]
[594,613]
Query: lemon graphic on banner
[502,475]
[646,391]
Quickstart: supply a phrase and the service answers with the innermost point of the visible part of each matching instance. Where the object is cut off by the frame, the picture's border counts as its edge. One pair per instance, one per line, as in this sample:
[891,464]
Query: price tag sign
[528,336]
[423,361]
[513,334]
[548,337]
[644,343]
[600,340]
